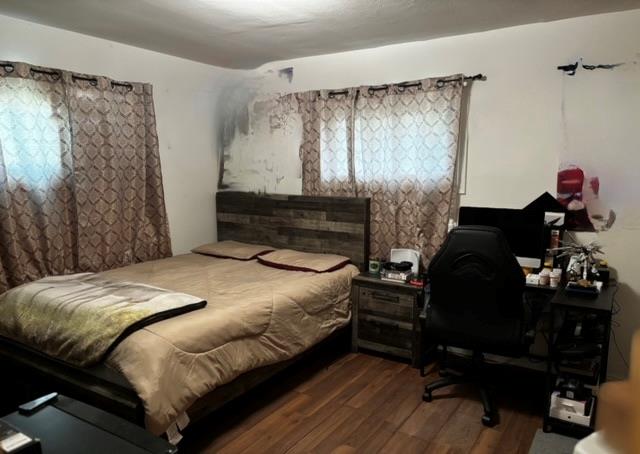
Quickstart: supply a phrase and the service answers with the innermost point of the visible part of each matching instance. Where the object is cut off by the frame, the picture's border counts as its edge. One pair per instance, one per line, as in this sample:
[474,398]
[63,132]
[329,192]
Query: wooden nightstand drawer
[385,317]
[386,304]
[386,332]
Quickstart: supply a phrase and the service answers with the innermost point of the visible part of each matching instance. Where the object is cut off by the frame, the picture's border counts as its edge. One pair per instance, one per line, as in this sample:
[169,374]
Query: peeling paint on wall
[261,135]
[266,158]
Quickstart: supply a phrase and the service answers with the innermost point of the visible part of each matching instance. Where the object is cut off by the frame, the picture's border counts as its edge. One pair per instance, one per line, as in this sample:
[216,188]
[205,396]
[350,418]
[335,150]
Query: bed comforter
[255,316]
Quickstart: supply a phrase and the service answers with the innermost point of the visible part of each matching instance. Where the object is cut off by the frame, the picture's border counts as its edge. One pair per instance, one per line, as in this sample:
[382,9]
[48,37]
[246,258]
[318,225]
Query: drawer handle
[387,324]
[385,297]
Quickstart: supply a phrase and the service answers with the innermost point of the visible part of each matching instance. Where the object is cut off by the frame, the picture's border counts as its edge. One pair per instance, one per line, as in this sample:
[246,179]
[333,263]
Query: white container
[570,410]
[545,275]
[533,279]
[594,444]
[406,255]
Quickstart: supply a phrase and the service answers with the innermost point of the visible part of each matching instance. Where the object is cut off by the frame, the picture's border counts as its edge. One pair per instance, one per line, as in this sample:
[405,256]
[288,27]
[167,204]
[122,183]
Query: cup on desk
[554,278]
[545,276]
[374,265]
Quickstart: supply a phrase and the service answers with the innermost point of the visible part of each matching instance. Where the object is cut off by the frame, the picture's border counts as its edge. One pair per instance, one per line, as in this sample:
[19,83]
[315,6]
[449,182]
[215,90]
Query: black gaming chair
[476,303]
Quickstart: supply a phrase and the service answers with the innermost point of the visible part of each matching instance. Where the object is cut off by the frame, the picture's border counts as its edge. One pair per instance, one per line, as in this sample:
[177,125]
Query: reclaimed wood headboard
[334,225]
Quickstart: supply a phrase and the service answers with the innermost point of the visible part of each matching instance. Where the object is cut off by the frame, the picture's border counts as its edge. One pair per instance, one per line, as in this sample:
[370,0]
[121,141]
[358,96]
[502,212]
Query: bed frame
[315,224]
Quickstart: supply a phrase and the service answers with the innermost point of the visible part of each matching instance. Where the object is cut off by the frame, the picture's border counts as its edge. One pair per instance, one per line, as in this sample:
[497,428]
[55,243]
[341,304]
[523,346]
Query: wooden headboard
[335,225]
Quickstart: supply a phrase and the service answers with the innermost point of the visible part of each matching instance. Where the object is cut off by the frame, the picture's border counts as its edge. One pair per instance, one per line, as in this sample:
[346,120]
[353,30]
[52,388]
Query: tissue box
[533,279]
[575,411]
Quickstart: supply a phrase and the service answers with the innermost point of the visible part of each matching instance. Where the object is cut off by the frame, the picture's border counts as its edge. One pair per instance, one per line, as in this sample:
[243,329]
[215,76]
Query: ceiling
[248,33]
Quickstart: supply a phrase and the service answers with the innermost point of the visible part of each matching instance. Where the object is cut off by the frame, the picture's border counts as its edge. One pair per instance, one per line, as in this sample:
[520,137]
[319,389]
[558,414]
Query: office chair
[476,303]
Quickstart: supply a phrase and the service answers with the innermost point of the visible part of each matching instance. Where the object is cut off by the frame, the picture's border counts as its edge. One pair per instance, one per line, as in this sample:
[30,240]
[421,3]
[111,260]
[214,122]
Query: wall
[185,95]
[522,120]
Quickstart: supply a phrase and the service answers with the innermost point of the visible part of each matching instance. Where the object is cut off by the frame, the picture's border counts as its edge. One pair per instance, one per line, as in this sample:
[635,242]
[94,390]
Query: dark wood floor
[362,403]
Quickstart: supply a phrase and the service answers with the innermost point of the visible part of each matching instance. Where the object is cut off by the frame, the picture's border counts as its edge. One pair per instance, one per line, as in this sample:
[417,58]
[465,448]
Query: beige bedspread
[255,316]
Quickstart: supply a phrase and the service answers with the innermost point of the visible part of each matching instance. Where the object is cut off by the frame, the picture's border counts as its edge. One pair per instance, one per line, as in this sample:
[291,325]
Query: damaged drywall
[261,135]
[572,68]
[599,120]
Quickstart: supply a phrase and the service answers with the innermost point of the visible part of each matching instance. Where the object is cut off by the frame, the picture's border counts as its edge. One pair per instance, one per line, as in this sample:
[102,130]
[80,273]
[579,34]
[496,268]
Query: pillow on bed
[303,261]
[233,250]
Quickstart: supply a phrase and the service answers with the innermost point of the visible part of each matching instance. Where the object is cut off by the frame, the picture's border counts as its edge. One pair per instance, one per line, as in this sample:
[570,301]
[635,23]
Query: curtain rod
[55,75]
[440,83]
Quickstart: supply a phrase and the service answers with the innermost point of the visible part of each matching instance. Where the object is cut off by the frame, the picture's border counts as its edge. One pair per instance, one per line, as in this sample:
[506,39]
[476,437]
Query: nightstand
[385,317]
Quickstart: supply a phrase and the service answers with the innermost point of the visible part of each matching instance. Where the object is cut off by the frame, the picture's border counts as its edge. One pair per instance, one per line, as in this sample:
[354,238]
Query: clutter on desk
[546,277]
[585,272]
[396,271]
[403,264]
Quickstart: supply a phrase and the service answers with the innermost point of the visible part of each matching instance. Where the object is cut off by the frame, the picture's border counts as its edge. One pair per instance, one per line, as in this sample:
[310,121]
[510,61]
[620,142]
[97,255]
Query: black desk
[558,300]
[70,427]
[601,308]
[602,303]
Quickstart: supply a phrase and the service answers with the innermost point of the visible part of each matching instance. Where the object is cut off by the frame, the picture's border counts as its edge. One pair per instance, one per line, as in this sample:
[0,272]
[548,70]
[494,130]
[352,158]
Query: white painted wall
[517,131]
[516,128]
[185,95]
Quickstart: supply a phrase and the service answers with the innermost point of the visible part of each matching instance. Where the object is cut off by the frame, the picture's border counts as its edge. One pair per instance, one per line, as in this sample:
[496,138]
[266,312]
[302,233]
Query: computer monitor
[524,230]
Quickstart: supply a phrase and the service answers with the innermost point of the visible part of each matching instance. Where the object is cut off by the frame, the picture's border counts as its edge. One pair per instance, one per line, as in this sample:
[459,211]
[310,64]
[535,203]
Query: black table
[601,306]
[70,427]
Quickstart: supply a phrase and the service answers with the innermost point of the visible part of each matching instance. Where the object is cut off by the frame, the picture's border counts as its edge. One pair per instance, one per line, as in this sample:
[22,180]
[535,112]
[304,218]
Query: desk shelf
[599,312]
[590,377]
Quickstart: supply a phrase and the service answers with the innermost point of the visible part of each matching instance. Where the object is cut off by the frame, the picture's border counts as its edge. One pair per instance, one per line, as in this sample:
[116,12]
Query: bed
[259,319]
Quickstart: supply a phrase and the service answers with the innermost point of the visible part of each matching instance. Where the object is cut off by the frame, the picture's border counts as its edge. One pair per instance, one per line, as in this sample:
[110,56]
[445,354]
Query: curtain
[327,145]
[396,144]
[80,178]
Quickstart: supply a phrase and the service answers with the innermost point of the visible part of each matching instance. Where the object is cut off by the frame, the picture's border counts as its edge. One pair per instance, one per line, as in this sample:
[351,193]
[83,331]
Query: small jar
[374,265]
[554,278]
[544,276]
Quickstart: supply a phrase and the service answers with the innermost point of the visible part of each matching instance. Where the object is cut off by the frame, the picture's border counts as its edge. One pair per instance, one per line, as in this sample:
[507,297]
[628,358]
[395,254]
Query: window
[29,138]
[334,143]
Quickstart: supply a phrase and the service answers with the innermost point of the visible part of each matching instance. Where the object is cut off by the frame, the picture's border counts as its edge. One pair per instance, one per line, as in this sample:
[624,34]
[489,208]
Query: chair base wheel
[427,397]
[489,420]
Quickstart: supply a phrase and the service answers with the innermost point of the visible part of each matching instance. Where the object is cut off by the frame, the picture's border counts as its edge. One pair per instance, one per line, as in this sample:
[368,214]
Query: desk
[71,427]
[558,300]
[599,311]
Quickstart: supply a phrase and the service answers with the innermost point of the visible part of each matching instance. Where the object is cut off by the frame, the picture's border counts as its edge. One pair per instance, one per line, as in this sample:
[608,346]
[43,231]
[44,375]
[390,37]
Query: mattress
[256,316]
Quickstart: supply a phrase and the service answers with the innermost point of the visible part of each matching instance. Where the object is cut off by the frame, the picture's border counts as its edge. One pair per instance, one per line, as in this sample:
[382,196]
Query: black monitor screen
[524,230]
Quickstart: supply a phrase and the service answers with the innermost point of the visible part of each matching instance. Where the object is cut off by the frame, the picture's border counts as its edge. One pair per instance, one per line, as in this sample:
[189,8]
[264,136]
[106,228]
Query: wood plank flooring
[363,403]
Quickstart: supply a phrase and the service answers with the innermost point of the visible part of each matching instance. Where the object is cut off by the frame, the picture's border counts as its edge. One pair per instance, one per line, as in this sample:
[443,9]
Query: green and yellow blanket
[80,318]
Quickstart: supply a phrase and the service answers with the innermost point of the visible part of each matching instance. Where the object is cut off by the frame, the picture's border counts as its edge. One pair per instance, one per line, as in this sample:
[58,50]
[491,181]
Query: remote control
[34,405]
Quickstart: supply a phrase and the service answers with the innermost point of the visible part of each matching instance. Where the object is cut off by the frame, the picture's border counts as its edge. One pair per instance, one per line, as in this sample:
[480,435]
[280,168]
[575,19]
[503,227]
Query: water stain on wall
[261,135]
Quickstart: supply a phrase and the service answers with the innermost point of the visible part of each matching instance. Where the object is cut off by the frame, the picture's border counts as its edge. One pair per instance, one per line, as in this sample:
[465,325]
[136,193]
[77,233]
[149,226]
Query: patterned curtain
[327,142]
[396,144]
[80,179]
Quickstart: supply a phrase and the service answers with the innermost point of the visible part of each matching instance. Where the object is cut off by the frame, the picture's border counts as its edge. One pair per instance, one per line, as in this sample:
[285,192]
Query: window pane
[29,136]
[334,141]
[401,138]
